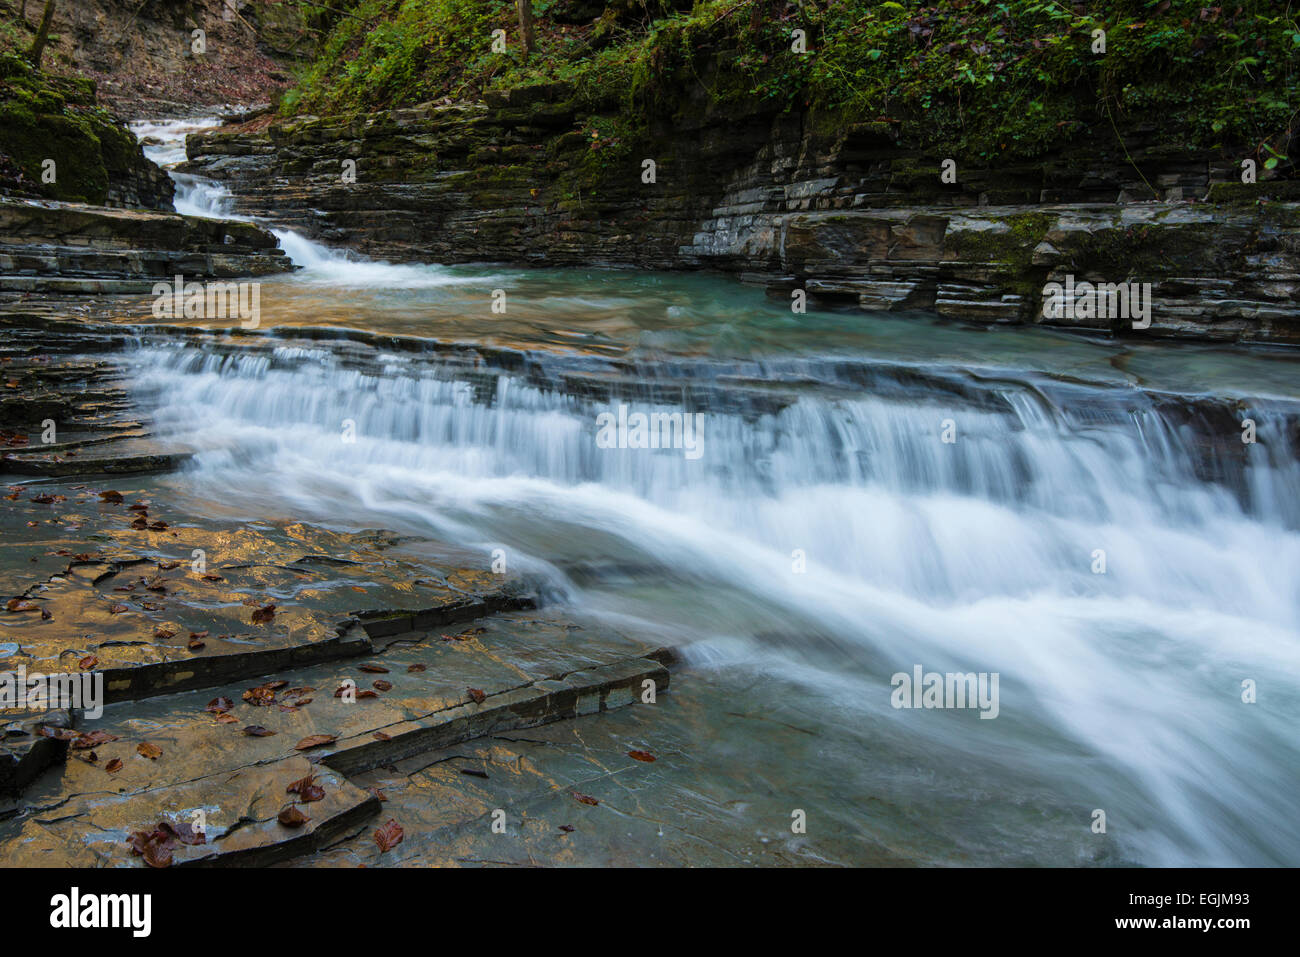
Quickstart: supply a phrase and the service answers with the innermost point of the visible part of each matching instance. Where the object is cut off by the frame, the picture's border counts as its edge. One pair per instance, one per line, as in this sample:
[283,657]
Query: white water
[1119,691]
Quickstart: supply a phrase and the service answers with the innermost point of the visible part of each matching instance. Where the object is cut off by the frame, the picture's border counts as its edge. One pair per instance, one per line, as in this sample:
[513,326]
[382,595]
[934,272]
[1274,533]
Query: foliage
[979,78]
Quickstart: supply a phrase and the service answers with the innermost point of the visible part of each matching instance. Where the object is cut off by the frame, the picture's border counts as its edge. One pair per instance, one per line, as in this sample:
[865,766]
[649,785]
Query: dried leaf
[88,662]
[149,750]
[257,731]
[227,719]
[290,816]
[383,685]
[389,836]
[219,705]
[645,756]
[585,799]
[374,669]
[382,736]
[92,739]
[315,741]
[162,634]
[414,668]
[476,694]
[113,498]
[263,615]
[113,766]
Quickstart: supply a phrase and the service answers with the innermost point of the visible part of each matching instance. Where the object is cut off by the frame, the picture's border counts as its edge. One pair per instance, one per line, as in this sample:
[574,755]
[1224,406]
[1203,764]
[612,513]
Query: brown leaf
[195,644]
[566,828]
[227,719]
[585,799]
[382,736]
[92,739]
[414,668]
[213,578]
[383,685]
[374,669]
[315,741]
[18,604]
[162,634]
[114,498]
[88,662]
[645,756]
[116,609]
[149,750]
[476,694]
[378,793]
[263,615]
[261,696]
[290,816]
[389,836]
[367,694]
[113,766]
[257,731]
[158,855]
[219,705]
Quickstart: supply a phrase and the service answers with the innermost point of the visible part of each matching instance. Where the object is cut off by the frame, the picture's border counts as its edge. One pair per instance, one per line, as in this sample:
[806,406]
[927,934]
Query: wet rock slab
[151,758]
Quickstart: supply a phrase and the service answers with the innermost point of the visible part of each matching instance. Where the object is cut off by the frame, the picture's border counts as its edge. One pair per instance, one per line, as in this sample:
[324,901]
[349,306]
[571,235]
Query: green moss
[976,80]
[54,118]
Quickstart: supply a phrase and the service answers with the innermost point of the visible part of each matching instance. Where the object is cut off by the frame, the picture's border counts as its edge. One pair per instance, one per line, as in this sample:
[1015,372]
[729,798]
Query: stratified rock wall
[792,202]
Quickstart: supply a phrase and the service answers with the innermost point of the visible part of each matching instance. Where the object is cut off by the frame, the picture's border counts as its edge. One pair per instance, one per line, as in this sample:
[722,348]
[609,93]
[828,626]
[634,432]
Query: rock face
[56,143]
[791,202]
[70,248]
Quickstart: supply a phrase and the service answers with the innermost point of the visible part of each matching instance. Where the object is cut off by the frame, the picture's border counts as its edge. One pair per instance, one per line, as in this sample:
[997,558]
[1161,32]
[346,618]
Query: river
[870,494]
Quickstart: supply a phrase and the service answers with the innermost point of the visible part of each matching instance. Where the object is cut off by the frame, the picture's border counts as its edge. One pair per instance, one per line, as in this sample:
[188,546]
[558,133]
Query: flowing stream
[870,494]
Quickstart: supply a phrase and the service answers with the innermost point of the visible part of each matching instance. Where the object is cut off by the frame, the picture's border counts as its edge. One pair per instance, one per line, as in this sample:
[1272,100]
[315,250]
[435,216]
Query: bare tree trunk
[525,8]
[42,35]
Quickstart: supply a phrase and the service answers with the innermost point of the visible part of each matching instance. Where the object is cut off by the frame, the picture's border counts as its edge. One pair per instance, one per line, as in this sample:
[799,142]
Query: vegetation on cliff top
[980,78]
[45,117]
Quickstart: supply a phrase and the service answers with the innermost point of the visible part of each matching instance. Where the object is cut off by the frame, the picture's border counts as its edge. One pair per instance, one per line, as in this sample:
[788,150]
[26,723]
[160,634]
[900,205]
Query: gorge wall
[791,201]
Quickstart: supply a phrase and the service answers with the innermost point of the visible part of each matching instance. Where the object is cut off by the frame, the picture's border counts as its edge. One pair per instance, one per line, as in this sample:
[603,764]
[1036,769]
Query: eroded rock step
[172,756]
[48,246]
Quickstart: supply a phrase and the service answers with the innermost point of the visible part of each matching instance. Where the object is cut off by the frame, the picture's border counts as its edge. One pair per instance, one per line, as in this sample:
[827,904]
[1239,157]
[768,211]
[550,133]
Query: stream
[870,494]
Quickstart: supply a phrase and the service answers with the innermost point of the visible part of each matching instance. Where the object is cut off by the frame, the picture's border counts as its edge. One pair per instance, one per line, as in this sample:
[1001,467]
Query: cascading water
[829,535]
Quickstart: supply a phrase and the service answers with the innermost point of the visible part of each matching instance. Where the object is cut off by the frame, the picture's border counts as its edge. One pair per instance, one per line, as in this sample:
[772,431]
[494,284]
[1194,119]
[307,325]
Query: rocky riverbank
[843,213]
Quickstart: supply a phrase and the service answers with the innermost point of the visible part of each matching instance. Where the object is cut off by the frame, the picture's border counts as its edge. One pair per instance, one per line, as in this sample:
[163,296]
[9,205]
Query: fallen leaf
[162,634]
[389,836]
[263,615]
[585,799]
[477,695]
[382,736]
[383,685]
[378,793]
[116,609]
[112,497]
[374,669]
[566,828]
[88,662]
[315,741]
[149,750]
[645,756]
[257,731]
[113,766]
[92,739]
[219,705]
[227,719]
[290,816]
[415,668]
